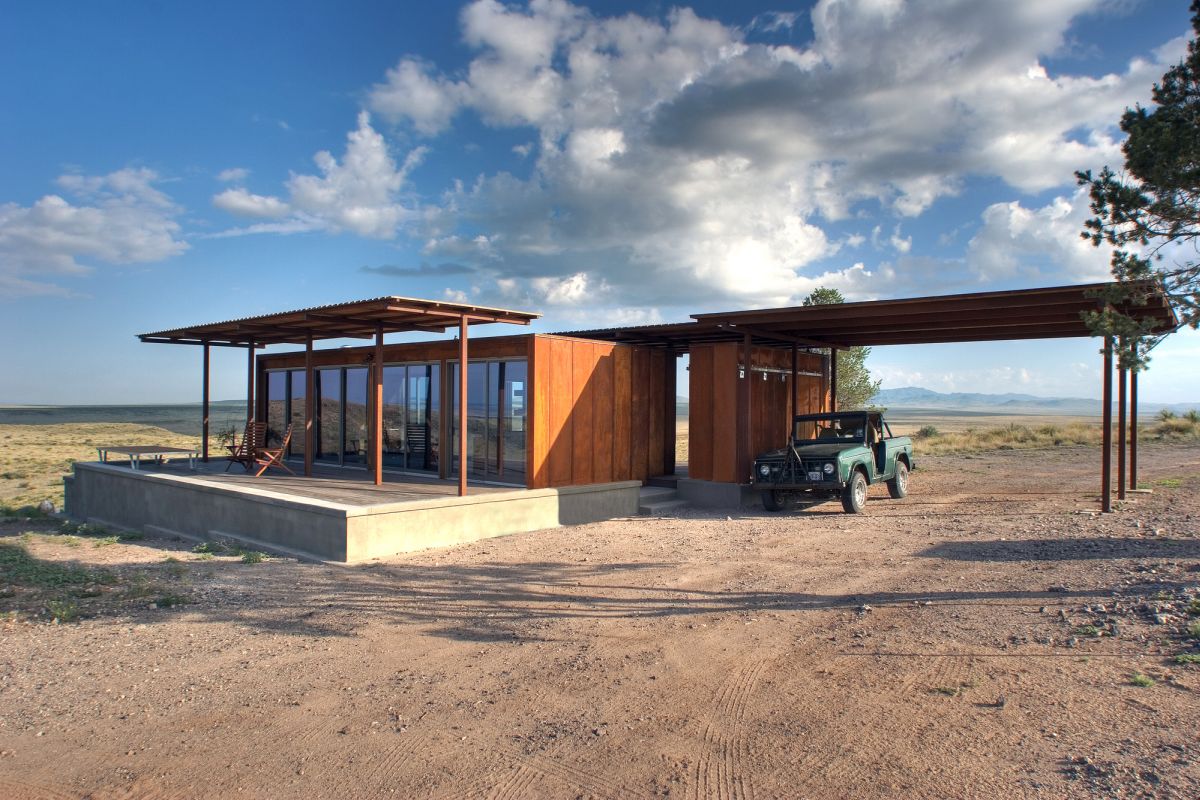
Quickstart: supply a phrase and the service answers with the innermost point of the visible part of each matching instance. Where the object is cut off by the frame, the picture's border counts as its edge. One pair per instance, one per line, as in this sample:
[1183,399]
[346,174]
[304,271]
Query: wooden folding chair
[267,457]
[242,452]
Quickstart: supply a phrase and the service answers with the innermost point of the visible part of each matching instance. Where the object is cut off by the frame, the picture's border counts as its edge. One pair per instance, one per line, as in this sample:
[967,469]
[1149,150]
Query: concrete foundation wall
[716,494]
[158,503]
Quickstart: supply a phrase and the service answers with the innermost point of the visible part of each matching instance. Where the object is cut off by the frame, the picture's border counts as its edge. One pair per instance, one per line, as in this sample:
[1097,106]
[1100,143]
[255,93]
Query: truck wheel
[854,496]
[772,500]
[898,486]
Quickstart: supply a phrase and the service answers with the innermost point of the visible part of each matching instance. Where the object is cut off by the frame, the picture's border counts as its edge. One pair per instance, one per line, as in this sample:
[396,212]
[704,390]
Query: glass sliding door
[354,449]
[495,420]
[328,391]
[277,407]
[421,416]
[296,418]
[395,444]
[512,381]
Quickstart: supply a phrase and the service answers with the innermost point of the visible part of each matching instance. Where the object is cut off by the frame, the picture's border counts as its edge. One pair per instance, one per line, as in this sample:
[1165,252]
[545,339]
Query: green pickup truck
[834,455]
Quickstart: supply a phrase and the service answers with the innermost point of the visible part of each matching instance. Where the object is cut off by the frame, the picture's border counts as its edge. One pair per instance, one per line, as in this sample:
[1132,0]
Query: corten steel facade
[543,411]
[580,412]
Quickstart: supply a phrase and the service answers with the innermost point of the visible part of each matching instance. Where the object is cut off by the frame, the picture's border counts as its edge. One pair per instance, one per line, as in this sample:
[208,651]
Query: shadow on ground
[1064,549]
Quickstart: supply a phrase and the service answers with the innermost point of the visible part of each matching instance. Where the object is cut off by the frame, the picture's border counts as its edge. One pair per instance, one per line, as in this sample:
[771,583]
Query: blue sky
[603,163]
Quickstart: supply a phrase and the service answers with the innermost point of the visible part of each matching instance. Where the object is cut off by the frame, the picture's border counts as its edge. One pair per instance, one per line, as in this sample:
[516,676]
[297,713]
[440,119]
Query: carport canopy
[1054,312]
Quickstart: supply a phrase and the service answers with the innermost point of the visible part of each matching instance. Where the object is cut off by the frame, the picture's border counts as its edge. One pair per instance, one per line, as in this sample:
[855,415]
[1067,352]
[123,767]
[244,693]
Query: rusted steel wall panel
[724,412]
[622,413]
[603,409]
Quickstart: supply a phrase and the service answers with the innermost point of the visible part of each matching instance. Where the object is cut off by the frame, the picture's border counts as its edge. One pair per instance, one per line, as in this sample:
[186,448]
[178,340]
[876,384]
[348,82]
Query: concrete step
[657,500]
[661,508]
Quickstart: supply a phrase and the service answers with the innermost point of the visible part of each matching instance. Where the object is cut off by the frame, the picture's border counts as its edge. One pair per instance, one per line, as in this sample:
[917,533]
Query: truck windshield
[848,427]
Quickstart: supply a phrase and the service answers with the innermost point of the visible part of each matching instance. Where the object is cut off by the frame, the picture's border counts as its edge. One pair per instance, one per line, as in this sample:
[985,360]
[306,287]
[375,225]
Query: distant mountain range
[916,397]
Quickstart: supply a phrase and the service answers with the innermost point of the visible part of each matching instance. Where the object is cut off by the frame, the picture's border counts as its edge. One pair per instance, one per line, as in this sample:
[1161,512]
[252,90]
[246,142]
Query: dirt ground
[982,638]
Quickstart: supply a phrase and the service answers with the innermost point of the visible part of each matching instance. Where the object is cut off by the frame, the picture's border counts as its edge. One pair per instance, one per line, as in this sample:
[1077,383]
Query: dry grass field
[33,458]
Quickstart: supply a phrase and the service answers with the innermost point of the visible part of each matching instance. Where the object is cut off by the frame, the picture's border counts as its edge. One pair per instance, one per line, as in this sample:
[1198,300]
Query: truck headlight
[828,468]
[764,470]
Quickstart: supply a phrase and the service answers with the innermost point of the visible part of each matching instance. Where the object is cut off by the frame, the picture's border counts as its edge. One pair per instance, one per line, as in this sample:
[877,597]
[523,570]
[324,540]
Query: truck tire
[854,496]
[772,500]
[898,486]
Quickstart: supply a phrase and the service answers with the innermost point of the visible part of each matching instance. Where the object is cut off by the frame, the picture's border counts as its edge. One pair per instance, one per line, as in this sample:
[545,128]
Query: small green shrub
[1192,416]
[1139,679]
[1187,658]
[927,432]
[1166,414]
[253,557]
[171,600]
[63,610]
[1193,630]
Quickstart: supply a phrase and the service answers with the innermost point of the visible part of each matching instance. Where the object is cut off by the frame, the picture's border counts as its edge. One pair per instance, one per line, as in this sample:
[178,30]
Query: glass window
[297,416]
[421,417]
[276,402]
[512,417]
[355,446]
[328,390]
[496,430]
[395,439]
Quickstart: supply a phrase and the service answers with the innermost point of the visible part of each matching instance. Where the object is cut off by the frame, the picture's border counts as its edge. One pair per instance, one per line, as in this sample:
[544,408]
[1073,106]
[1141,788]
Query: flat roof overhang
[1046,313]
[359,319]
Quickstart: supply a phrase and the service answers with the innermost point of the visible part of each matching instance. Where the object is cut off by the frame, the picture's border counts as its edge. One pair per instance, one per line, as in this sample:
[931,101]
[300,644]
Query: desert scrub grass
[22,512]
[18,567]
[63,610]
[1193,630]
[1141,679]
[927,432]
[105,541]
[171,600]
[1187,658]
[1089,630]
[1016,436]
[253,556]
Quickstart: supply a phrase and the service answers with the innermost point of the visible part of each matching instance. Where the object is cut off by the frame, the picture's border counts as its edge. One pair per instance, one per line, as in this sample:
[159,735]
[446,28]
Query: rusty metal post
[1106,432]
[745,420]
[462,405]
[204,403]
[1121,422]
[833,380]
[250,382]
[795,405]
[309,427]
[1133,429]
[377,416]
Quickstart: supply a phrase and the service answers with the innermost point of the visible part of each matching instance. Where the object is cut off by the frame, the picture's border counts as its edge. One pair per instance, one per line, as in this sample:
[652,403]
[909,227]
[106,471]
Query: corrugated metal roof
[1041,313]
[353,319]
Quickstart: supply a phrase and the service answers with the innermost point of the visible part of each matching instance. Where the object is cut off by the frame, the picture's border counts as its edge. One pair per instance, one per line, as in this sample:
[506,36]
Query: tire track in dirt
[19,790]
[720,767]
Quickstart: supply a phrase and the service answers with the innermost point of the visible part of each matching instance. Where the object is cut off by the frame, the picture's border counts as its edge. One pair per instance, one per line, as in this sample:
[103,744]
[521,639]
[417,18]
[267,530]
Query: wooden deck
[348,486]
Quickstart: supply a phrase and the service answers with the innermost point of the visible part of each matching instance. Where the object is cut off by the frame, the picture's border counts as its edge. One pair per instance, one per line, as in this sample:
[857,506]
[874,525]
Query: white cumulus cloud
[1032,246]
[361,193]
[677,158]
[118,218]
